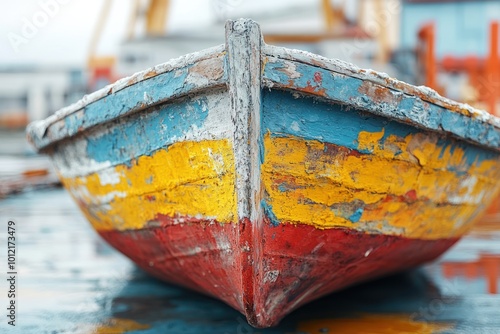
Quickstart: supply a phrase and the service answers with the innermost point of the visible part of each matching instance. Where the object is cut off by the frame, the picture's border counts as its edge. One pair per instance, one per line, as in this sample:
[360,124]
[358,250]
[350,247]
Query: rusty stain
[313,89]
[150,74]
[318,63]
[378,93]
[318,78]
[211,69]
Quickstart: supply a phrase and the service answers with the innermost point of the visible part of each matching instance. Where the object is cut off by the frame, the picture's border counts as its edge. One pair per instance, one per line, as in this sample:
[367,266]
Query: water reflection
[487,267]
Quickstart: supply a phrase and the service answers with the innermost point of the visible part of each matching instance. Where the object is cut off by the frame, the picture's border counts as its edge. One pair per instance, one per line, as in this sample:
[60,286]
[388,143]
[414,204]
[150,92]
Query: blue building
[462,26]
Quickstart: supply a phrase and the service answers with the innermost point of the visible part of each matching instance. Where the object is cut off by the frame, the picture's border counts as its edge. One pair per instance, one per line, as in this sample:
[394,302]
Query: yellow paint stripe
[320,184]
[423,149]
[187,178]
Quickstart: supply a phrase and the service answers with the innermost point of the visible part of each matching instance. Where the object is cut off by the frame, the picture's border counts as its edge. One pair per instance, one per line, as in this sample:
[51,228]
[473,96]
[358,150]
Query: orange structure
[493,70]
[426,54]
[487,266]
[483,73]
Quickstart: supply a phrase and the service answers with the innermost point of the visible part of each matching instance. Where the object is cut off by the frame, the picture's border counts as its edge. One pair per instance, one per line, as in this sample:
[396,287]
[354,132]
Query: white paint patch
[271,276]
[295,126]
[467,188]
[108,176]
[147,98]
[192,251]
[71,160]
[81,194]
[218,162]
[291,70]
[224,246]
[217,124]
[222,242]
[109,197]
[368,252]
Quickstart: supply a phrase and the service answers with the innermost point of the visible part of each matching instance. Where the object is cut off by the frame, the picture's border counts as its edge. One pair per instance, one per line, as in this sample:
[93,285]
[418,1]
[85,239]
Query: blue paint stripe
[139,95]
[405,108]
[138,135]
[314,120]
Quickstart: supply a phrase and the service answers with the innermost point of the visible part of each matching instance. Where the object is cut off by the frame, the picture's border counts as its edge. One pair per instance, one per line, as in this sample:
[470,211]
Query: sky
[29,36]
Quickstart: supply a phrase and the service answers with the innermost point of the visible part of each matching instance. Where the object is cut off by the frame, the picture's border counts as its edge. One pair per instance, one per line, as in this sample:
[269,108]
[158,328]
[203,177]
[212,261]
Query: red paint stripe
[298,263]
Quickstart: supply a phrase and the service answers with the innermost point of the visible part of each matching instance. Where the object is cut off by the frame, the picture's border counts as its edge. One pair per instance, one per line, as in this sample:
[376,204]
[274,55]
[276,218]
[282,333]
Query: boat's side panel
[329,166]
[197,253]
[174,160]
[300,262]
[159,185]
[186,75]
[379,99]
[350,196]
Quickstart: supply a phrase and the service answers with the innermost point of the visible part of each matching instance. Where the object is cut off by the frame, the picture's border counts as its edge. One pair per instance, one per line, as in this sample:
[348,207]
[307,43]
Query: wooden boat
[268,177]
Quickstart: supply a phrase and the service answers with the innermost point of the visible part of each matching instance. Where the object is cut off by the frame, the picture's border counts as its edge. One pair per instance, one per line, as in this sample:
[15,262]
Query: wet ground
[69,281]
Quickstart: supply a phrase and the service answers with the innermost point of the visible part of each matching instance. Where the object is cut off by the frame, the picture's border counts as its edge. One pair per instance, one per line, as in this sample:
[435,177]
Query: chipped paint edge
[339,66]
[489,137]
[80,164]
[37,129]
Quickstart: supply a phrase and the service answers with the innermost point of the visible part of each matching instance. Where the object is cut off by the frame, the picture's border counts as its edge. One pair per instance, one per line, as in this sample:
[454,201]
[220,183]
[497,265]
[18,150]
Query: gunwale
[490,137]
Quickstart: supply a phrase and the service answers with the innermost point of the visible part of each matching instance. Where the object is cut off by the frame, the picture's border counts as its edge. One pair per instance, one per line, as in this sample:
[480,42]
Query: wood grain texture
[243,40]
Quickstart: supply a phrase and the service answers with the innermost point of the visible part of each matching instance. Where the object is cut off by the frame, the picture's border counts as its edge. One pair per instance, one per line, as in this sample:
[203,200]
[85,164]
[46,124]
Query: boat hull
[269,177]
[293,273]
[355,205]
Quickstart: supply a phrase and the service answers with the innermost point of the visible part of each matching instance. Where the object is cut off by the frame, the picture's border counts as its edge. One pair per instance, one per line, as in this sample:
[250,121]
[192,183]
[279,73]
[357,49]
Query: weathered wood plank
[391,99]
[243,40]
[178,77]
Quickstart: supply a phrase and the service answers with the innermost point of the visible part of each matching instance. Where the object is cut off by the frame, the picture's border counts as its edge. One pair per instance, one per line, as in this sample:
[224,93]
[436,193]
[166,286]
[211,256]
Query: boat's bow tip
[259,320]
[240,23]
[35,131]
[241,26]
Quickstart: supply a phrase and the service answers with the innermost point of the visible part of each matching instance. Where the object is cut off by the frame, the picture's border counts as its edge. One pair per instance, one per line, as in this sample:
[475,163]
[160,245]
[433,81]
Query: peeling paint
[198,118]
[270,177]
[189,181]
[423,110]
[173,79]
[350,170]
